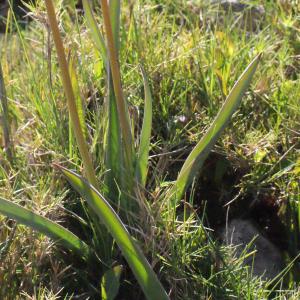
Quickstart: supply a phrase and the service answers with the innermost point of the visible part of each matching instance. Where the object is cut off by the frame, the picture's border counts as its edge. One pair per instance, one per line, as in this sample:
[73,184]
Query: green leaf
[95,32]
[114,9]
[143,153]
[69,93]
[77,95]
[123,112]
[5,117]
[113,151]
[130,250]
[111,283]
[198,155]
[44,226]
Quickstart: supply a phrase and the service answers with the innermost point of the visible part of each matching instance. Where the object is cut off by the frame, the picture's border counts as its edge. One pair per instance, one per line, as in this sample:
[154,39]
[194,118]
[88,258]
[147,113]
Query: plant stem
[116,76]
[87,161]
[5,118]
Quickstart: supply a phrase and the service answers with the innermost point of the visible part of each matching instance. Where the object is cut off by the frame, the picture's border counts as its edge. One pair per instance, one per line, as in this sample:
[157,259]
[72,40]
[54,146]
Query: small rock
[252,15]
[239,6]
[267,260]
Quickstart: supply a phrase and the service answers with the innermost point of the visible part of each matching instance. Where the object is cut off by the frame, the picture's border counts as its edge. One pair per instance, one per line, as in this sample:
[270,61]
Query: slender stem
[87,161]
[116,76]
[5,117]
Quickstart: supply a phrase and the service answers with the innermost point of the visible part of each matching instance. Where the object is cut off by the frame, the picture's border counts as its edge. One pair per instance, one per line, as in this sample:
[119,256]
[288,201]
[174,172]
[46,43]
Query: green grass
[191,63]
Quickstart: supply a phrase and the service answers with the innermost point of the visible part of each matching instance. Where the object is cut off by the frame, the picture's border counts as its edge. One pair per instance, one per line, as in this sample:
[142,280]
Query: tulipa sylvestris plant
[121,155]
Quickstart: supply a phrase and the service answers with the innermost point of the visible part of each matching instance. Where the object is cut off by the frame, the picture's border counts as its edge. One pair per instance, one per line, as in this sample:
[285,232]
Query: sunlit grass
[190,69]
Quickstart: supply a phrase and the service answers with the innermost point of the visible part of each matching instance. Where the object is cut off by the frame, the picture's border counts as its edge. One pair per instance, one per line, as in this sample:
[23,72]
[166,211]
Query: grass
[191,63]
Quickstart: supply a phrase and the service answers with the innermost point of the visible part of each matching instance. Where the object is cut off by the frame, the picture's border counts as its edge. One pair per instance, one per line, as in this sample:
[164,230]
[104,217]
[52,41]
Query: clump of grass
[176,90]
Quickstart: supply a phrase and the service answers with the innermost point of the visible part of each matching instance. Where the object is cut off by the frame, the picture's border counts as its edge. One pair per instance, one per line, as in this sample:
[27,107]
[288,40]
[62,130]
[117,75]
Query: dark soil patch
[217,185]
[19,10]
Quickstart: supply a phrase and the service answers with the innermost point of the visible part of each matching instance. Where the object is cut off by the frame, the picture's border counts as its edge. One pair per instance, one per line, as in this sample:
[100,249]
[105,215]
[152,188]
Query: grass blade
[81,142]
[95,32]
[116,79]
[114,9]
[114,142]
[110,283]
[78,99]
[5,117]
[143,153]
[132,253]
[113,160]
[113,151]
[44,226]
[196,158]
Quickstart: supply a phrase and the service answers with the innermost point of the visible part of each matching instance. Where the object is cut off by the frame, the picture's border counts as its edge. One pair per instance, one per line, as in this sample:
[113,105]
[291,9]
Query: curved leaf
[198,155]
[44,226]
[130,250]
